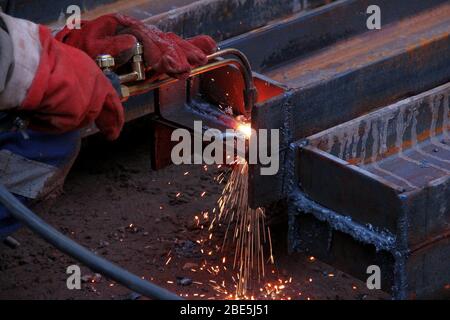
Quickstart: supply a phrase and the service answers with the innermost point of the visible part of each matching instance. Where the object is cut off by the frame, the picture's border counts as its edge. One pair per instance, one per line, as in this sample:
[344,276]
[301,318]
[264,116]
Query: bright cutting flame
[245,129]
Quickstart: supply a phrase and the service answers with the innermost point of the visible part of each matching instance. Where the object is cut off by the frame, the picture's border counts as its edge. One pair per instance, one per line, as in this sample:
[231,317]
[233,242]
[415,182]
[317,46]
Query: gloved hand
[116,34]
[58,86]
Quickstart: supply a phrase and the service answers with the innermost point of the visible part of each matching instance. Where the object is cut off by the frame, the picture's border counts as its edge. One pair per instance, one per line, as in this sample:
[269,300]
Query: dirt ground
[144,220]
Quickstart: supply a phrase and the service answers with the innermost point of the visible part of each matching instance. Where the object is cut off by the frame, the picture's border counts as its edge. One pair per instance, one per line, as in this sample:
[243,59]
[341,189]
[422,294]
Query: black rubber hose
[66,245]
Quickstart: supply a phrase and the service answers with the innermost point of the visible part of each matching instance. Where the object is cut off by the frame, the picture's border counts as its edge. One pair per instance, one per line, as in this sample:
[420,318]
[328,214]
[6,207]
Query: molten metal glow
[245,129]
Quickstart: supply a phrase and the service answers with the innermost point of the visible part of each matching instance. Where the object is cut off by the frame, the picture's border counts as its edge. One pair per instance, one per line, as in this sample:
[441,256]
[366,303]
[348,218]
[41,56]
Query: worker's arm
[6,58]
[57,86]
[19,61]
[61,87]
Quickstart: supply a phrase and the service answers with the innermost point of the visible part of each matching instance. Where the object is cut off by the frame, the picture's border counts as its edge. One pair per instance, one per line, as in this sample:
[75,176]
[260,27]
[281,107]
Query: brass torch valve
[107,64]
[137,65]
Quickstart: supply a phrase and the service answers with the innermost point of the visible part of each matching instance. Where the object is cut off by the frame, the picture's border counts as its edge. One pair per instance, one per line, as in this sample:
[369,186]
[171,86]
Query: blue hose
[80,253]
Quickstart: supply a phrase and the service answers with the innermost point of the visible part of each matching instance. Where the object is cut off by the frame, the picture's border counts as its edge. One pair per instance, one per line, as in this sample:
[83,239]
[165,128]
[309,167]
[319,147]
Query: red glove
[60,87]
[116,34]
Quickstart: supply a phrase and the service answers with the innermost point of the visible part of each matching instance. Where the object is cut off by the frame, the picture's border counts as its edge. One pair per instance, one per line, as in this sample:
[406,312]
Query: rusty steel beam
[161,148]
[223,19]
[406,274]
[350,78]
[378,186]
[304,33]
[347,188]
[368,71]
[402,150]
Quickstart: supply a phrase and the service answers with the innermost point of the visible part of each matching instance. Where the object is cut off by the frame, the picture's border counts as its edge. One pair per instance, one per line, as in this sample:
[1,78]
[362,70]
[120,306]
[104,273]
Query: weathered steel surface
[366,187]
[317,238]
[428,270]
[302,34]
[369,161]
[406,143]
[368,71]
[224,19]
[429,212]
[264,190]
[354,77]
[406,274]
[347,189]
[162,145]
